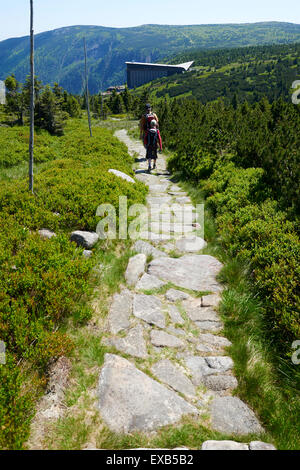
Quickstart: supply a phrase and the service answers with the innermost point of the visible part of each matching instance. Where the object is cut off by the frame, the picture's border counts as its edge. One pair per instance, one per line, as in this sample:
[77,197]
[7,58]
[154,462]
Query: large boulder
[130,400]
[85,239]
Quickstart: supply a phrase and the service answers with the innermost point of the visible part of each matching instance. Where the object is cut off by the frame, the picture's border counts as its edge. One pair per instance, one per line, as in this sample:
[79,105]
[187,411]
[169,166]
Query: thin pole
[31,139]
[87,89]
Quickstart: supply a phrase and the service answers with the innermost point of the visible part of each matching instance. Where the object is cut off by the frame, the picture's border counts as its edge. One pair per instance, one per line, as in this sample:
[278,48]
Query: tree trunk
[87,90]
[31,139]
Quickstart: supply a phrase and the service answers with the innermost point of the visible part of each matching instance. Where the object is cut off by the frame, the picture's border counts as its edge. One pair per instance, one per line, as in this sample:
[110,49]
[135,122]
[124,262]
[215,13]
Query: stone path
[160,321]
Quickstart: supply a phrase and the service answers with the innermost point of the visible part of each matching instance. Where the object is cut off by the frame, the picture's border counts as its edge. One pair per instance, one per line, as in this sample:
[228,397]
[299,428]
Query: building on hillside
[139,73]
[2,93]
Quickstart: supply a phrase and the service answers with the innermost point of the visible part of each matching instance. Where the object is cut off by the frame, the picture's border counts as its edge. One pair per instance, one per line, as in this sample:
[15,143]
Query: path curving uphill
[165,323]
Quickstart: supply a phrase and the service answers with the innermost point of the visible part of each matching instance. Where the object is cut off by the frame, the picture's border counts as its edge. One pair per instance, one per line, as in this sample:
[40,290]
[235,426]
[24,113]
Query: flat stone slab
[163,339]
[231,415]
[213,326]
[219,383]
[133,344]
[201,367]
[183,200]
[258,445]
[171,227]
[211,300]
[158,188]
[217,341]
[190,244]
[120,311]
[195,272]
[136,267]
[196,312]
[175,315]
[147,249]
[149,309]
[223,445]
[173,376]
[130,400]
[174,295]
[122,175]
[85,239]
[148,282]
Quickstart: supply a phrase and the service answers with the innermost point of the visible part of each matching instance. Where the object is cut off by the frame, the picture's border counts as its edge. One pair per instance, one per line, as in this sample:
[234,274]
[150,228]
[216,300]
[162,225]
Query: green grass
[267,383]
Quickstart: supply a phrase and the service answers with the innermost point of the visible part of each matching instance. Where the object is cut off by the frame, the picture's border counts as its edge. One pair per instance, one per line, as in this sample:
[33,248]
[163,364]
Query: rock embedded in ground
[232,416]
[213,326]
[174,295]
[211,300]
[173,376]
[133,343]
[195,272]
[85,239]
[87,253]
[175,315]
[219,383]
[190,244]
[120,311]
[163,339]
[214,340]
[148,282]
[129,400]
[223,445]
[149,308]
[136,267]
[147,249]
[197,313]
[176,331]
[122,175]
[201,367]
[46,234]
[258,445]
[183,200]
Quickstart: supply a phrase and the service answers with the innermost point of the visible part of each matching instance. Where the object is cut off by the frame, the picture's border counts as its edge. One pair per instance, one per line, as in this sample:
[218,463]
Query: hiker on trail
[152,140]
[146,120]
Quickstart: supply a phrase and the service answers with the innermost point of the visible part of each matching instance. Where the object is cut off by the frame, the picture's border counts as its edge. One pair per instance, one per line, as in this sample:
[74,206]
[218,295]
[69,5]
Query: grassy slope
[49,276]
[248,72]
[109,48]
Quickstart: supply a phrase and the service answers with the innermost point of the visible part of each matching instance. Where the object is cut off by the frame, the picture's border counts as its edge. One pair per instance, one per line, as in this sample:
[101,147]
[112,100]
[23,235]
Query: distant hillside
[59,53]
[247,73]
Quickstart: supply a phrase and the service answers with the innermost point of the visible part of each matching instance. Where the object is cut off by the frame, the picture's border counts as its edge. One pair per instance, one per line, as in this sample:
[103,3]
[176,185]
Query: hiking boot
[149,169]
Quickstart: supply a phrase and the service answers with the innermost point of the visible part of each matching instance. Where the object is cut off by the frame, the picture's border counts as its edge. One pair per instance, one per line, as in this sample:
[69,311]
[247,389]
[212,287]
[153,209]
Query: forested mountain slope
[59,53]
[247,73]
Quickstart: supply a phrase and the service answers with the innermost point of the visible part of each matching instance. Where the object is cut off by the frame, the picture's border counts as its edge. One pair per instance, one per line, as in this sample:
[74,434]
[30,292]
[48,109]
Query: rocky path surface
[166,324]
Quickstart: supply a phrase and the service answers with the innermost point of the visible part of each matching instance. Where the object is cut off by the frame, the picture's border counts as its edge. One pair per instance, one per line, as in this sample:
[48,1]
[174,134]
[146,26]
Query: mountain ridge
[59,52]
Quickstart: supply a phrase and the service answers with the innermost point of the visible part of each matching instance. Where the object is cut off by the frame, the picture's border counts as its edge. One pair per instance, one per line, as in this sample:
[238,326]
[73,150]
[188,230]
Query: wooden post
[31,139]
[87,90]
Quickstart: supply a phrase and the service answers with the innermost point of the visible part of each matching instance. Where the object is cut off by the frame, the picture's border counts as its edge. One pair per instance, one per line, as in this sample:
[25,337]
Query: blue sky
[51,14]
